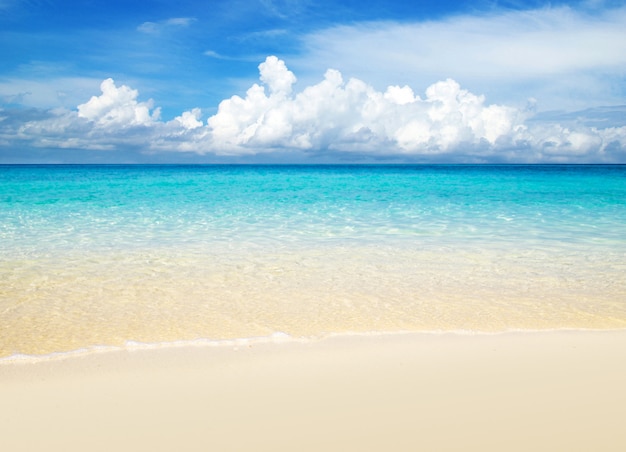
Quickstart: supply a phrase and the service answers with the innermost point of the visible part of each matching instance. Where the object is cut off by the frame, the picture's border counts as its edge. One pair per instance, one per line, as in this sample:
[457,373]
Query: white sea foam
[276,339]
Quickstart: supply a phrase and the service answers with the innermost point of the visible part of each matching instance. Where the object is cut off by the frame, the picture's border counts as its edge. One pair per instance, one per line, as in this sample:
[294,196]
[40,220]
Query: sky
[288,81]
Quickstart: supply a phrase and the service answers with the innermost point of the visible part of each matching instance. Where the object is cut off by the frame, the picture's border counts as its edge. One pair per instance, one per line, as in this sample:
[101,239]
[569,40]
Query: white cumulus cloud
[352,115]
[118,107]
[190,119]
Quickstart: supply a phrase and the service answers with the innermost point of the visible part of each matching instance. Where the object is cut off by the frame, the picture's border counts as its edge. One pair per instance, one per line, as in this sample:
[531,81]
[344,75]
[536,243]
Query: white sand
[531,391]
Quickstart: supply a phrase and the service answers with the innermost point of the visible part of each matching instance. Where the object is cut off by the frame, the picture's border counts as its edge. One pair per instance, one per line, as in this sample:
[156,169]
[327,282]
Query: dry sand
[515,391]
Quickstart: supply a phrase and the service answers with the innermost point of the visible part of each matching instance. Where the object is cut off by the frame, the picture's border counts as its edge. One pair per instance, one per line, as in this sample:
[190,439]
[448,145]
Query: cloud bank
[343,119]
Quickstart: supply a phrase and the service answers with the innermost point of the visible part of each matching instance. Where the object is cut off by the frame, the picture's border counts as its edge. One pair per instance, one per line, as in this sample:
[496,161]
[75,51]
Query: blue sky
[304,81]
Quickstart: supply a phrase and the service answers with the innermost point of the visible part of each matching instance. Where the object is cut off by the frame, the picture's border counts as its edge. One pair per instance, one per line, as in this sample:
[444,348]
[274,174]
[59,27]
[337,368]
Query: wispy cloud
[284,8]
[219,56]
[556,55]
[157,27]
[51,92]
[264,34]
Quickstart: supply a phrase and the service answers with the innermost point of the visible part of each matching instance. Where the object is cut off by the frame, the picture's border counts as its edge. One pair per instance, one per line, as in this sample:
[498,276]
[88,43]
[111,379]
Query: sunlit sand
[513,391]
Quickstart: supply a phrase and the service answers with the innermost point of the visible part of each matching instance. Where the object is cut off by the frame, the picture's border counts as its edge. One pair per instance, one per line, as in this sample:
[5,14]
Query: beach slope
[400,392]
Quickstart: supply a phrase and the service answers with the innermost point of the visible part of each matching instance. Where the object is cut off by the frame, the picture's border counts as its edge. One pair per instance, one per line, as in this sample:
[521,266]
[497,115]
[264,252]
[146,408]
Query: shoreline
[540,390]
[277,338]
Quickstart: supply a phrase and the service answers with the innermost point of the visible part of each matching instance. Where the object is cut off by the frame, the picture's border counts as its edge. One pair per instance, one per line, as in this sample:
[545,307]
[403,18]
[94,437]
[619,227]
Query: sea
[99,257]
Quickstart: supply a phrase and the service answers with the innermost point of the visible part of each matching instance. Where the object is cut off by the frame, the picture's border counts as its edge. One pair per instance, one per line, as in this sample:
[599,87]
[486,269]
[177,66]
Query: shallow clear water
[104,255]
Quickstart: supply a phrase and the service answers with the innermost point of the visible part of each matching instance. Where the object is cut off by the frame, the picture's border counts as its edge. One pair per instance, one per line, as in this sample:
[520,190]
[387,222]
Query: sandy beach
[512,391]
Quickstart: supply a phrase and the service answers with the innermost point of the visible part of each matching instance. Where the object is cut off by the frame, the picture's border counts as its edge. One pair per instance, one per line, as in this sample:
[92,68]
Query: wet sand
[401,392]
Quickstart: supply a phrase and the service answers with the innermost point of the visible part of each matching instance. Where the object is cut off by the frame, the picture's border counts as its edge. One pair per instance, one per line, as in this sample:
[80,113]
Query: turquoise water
[107,255]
